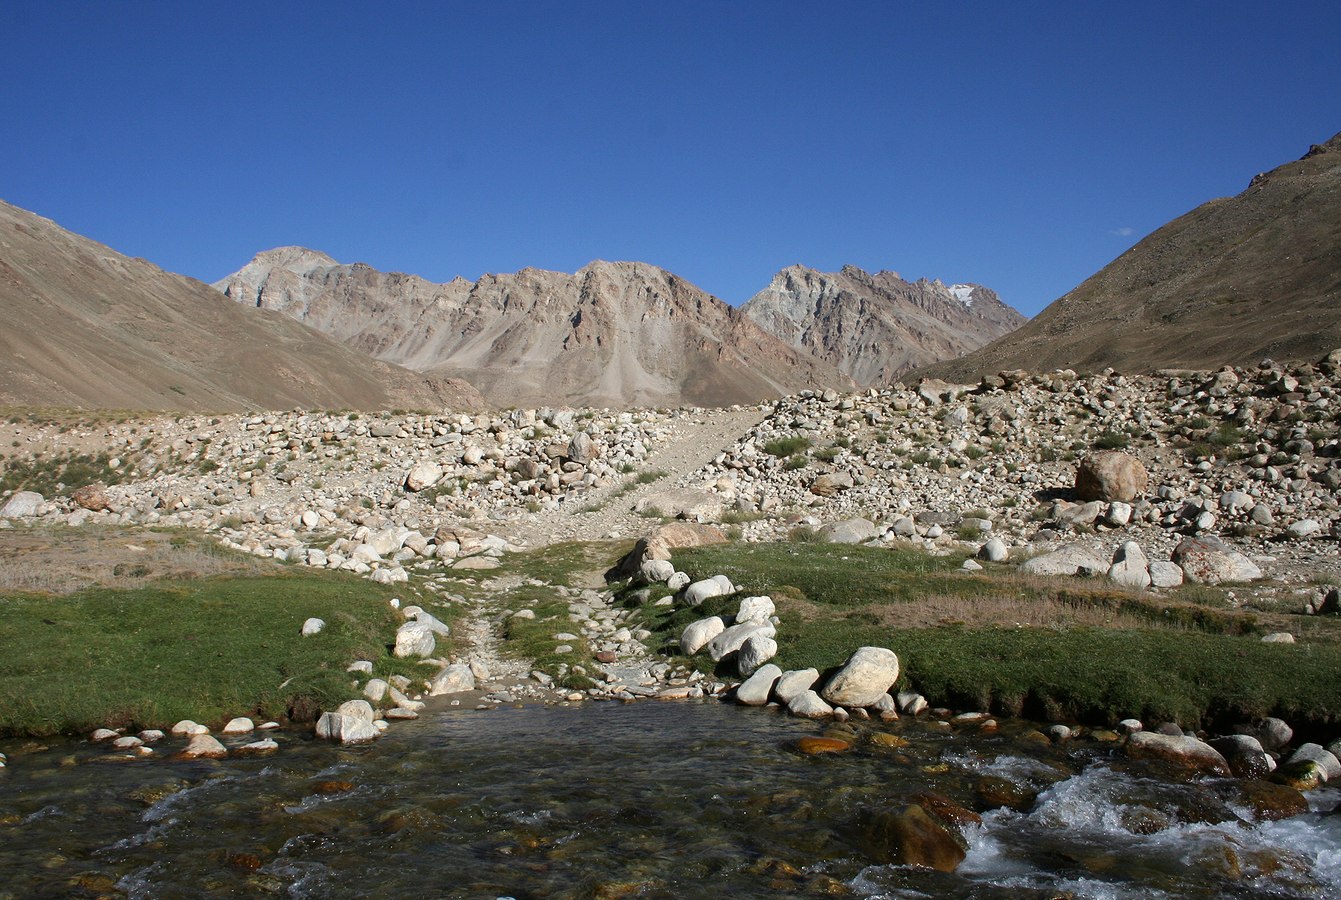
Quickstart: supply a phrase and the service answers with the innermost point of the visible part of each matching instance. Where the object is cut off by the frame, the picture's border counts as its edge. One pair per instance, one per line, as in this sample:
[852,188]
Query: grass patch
[204,649]
[49,475]
[788,446]
[1020,645]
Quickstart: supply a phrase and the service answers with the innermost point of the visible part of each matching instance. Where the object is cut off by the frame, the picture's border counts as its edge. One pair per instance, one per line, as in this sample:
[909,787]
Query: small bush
[1112,440]
[793,463]
[787,446]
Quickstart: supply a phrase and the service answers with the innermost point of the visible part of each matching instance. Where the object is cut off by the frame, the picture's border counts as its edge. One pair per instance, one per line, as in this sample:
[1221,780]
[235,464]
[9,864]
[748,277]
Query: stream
[664,800]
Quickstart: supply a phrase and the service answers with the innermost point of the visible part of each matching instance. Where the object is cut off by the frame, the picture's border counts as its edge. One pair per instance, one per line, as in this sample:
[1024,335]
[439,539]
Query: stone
[1130,567]
[375,690]
[313,626]
[582,449]
[831,483]
[1071,559]
[731,639]
[332,726]
[694,504]
[1119,514]
[414,639]
[849,531]
[1245,755]
[755,690]
[666,538]
[797,681]
[716,586]
[868,673]
[908,836]
[1278,637]
[104,734]
[92,497]
[677,582]
[1109,475]
[454,679]
[204,746]
[425,474]
[754,652]
[1315,753]
[1208,560]
[656,571]
[1185,751]
[257,748]
[1271,732]
[1303,529]
[994,550]
[22,504]
[1165,574]
[186,726]
[696,635]
[809,705]
[756,609]
[818,746]
[239,725]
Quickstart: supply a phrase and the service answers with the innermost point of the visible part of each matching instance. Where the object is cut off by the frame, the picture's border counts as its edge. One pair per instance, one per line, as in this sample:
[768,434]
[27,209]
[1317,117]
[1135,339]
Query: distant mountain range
[85,326]
[627,333]
[1231,282]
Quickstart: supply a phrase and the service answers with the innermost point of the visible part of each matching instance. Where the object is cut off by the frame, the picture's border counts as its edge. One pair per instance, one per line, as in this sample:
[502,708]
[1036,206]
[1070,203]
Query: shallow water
[649,800]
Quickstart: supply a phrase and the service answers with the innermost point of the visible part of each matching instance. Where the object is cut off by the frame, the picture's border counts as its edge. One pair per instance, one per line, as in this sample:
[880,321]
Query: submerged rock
[908,836]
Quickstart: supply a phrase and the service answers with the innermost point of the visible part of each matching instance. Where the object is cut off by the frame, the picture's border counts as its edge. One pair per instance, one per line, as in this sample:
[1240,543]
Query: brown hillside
[1231,282]
[88,327]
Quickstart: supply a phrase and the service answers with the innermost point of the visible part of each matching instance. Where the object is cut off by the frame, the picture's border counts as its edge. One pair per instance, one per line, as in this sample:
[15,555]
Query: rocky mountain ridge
[1231,282]
[876,327]
[87,326]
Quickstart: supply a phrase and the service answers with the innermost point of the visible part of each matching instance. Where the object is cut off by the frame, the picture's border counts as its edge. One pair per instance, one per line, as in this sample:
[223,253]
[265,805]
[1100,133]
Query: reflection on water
[647,800]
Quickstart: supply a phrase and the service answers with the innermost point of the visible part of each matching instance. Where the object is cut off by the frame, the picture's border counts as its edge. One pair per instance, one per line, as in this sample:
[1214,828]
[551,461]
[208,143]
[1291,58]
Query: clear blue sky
[1018,145]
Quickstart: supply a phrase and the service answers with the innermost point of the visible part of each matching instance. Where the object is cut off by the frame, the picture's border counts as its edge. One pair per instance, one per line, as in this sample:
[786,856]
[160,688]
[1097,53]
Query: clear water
[648,800]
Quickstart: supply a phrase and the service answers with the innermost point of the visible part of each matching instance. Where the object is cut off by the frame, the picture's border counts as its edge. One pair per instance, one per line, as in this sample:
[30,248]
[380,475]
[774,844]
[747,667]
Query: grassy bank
[1062,648]
[204,649]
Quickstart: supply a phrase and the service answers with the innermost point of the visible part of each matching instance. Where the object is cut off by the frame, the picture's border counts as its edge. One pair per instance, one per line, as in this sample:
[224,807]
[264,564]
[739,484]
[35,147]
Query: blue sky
[1021,146]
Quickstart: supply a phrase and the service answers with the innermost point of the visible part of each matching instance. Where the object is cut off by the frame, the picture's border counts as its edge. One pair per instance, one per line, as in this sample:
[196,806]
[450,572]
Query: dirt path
[608,513]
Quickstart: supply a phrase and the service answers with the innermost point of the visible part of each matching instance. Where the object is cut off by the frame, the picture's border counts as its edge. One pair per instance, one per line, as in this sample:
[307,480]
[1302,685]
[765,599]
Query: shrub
[787,446]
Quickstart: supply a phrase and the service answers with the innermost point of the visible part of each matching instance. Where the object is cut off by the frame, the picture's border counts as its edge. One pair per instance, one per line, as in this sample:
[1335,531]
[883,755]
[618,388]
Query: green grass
[1048,648]
[44,473]
[206,649]
[787,446]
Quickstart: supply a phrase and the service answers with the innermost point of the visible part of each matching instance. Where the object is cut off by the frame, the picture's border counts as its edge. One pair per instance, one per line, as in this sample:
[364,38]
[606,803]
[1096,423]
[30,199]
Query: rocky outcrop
[876,327]
[611,334]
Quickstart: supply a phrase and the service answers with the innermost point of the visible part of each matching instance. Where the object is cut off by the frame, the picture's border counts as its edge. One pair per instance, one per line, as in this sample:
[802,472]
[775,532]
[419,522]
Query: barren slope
[611,334]
[88,327]
[876,327]
[1233,281]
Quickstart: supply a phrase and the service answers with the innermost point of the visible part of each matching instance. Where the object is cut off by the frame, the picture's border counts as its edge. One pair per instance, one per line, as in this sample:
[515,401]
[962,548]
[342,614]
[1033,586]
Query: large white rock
[1184,750]
[868,673]
[454,679]
[755,690]
[755,609]
[730,640]
[994,550]
[375,690]
[414,639]
[313,626]
[1165,574]
[1130,567]
[22,503]
[795,682]
[656,571]
[425,474]
[754,652]
[332,726]
[809,705]
[204,746]
[1208,560]
[1072,559]
[716,586]
[239,725]
[697,634]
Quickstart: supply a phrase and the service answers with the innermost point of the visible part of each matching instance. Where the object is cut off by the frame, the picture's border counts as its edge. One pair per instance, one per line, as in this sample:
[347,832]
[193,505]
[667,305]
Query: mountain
[612,334]
[876,327]
[1229,283]
[86,326]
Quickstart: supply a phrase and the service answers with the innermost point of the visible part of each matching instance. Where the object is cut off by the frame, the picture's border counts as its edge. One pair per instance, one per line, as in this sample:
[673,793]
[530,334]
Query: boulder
[342,729]
[1130,567]
[666,538]
[848,531]
[798,681]
[582,449]
[755,690]
[204,746]
[454,679]
[1109,475]
[656,571]
[21,504]
[697,634]
[1315,753]
[831,483]
[1208,560]
[754,652]
[756,609]
[809,705]
[92,497]
[716,586]
[414,639]
[994,550]
[868,673]
[730,640]
[1165,574]
[1245,755]
[239,725]
[908,836]
[312,626]
[425,474]
[1182,750]
[1071,559]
